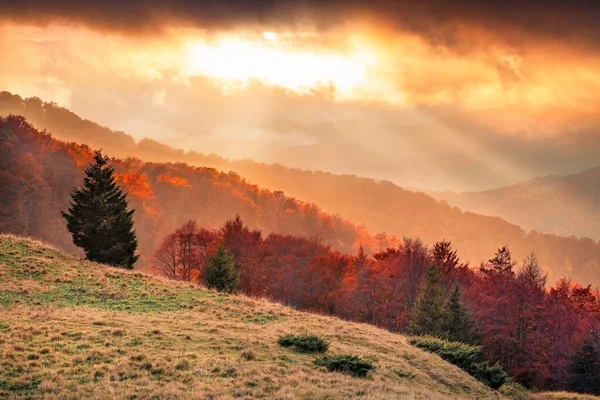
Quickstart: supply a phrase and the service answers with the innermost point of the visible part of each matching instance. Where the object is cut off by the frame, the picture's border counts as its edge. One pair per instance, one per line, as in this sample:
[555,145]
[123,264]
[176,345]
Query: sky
[460,95]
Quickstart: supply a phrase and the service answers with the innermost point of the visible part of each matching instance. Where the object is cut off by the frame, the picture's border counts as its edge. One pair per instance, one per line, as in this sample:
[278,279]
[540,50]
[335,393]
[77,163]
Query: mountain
[75,329]
[373,206]
[38,172]
[563,205]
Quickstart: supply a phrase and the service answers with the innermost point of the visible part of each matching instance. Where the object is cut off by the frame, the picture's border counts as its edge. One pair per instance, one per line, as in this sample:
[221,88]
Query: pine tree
[501,264]
[428,317]
[459,325]
[585,369]
[220,272]
[99,219]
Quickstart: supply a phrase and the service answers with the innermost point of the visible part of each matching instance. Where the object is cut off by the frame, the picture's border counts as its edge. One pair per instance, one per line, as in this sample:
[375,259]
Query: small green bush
[467,357]
[346,364]
[404,374]
[304,343]
[493,376]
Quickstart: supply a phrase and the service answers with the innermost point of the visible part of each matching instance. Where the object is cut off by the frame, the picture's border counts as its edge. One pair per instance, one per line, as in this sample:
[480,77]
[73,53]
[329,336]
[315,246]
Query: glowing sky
[370,89]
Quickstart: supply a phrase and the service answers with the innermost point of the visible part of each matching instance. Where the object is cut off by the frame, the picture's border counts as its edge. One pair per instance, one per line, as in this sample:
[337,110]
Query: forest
[38,173]
[367,203]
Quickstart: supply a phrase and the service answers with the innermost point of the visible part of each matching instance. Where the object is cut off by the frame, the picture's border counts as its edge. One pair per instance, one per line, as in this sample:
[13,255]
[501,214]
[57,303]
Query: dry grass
[563,396]
[72,329]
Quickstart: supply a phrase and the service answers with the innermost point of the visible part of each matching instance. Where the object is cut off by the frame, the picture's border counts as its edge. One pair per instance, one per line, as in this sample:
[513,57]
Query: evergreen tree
[428,317]
[220,272]
[585,369]
[459,325]
[443,255]
[98,217]
[501,264]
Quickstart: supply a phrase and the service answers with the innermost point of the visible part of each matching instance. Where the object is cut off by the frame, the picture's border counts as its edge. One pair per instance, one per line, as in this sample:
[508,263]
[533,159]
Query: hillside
[563,205]
[75,329]
[38,173]
[379,206]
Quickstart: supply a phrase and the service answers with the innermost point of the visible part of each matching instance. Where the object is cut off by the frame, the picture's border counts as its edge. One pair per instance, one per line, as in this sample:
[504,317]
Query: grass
[563,396]
[71,329]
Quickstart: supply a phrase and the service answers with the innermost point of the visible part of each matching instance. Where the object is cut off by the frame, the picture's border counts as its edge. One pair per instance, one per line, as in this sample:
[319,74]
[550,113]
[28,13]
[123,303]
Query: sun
[270,35]
[237,61]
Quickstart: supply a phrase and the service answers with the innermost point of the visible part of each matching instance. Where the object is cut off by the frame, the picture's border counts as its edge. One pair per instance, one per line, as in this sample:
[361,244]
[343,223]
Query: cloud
[440,20]
[534,64]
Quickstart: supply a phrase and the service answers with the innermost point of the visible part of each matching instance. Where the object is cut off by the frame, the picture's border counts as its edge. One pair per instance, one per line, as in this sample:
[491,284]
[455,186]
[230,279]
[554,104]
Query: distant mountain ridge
[379,206]
[564,205]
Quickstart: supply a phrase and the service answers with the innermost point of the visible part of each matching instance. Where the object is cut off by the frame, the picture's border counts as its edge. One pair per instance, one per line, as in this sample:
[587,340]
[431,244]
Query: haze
[416,93]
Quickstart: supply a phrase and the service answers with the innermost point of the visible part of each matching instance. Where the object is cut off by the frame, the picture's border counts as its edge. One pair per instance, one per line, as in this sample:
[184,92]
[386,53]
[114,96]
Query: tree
[453,271]
[243,245]
[501,264]
[99,219]
[585,369]
[183,253]
[528,354]
[416,261]
[428,316]
[220,272]
[443,255]
[459,325]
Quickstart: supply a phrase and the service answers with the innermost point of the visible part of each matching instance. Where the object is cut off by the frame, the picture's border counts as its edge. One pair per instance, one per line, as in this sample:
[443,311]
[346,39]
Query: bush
[304,343]
[346,364]
[493,376]
[467,357]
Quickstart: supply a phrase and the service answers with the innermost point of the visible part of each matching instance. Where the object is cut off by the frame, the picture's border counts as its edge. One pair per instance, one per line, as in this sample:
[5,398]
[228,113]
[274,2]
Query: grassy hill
[70,328]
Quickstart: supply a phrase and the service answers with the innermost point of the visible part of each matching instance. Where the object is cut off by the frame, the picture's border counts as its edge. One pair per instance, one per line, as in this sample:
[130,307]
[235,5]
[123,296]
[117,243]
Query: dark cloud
[574,20]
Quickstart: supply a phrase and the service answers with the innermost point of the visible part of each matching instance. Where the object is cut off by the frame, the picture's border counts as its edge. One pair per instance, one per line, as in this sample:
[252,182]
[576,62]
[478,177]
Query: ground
[72,329]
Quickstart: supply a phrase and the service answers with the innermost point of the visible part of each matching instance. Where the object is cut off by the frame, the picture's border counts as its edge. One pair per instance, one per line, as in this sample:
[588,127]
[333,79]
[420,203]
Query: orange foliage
[154,192]
[173,180]
[136,185]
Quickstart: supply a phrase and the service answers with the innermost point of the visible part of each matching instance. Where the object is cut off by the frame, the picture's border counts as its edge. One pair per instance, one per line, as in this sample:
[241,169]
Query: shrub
[346,364]
[467,357]
[404,374]
[493,376]
[304,343]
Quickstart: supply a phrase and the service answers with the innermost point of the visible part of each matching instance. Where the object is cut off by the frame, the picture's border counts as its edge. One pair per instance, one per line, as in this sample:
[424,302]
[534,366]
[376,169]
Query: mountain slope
[74,329]
[38,172]
[563,205]
[379,206]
